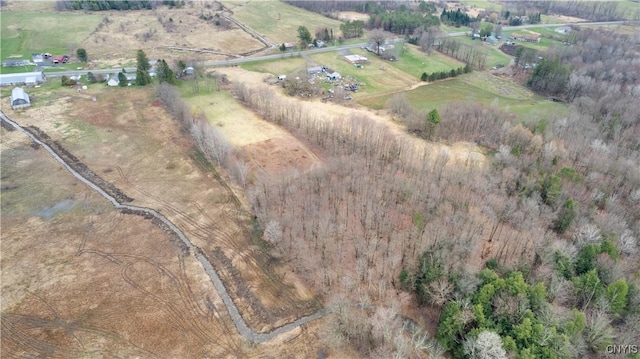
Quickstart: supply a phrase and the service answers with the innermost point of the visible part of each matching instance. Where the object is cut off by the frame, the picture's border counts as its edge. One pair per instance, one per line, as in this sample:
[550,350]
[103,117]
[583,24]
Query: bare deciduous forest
[554,215]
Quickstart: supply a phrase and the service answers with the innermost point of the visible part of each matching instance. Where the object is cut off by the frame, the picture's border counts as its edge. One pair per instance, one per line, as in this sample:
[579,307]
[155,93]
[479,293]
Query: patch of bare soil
[275,155]
[568,19]
[108,265]
[121,34]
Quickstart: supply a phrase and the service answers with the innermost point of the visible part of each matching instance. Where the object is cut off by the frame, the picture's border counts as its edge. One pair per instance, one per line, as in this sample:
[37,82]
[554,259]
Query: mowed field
[80,279]
[26,32]
[278,21]
[477,87]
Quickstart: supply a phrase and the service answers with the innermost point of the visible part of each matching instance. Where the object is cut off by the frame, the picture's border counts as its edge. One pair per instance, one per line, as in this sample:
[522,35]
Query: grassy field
[276,67]
[24,33]
[15,70]
[415,62]
[378,75]
[629,10]
[477,87]
[544,43]
[493,53]
[278,21]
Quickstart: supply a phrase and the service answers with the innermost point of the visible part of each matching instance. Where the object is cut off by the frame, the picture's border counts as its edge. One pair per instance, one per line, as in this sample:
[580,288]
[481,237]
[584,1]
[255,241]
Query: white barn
[23,78]
[19,98]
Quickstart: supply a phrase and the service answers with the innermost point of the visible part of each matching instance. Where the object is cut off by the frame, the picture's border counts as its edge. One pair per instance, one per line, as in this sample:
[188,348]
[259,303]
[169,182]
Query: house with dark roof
[19,98]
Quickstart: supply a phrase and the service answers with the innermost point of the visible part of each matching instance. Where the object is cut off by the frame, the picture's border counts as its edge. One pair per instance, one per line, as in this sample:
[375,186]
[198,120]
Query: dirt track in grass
[85,279]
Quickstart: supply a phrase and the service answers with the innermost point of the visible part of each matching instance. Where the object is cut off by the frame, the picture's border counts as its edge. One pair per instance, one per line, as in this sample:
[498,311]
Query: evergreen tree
[165,74]
[617,295]
[143,66]
[565,217]
[433,119]
[122,79]
[305,36]
[91,78]
[82,55]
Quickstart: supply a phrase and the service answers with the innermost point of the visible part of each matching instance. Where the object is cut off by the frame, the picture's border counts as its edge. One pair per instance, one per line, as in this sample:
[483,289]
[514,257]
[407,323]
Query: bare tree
[428,37]
[378,38]
[488,345]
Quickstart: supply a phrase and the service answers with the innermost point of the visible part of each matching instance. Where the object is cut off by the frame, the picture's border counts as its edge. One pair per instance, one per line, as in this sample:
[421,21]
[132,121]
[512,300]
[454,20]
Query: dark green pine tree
[143,66]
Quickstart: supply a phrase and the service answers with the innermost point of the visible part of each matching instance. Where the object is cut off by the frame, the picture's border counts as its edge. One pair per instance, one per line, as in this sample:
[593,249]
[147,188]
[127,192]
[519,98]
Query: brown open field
[82,279]
[113,37]
[154,31]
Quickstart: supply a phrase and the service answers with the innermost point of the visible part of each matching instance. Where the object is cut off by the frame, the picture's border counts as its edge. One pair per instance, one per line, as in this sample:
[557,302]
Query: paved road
[324,49]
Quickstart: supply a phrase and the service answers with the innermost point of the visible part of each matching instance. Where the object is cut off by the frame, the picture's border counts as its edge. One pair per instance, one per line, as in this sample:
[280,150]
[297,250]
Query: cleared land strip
[112,193]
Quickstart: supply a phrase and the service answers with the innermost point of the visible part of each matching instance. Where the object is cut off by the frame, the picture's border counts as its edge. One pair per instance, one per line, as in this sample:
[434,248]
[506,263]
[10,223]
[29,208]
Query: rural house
[19,98]
[62,59]
[333,76]
[37,58]
[23,78]
[315,70]
[526,37]
[355,59]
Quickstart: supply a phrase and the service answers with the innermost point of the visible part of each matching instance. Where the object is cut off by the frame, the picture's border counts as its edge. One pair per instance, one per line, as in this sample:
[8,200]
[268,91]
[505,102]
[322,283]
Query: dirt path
[405,89]
[232,309]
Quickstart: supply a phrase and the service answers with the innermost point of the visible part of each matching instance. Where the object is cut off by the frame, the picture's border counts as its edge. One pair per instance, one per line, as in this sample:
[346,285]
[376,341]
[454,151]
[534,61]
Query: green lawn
[278,67]
[447,28]
[544,43]
[415,62]
[278,21]
[24,33]
[378,76]
[493,53]
[482,4]
[15,70]
[629,10]
[477,87]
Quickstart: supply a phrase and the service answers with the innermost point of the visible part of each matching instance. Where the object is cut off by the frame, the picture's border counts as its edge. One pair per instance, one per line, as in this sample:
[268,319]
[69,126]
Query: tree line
[102,5]
[441,75]
[455,18]
[592,10]
[401,21]
[467,54]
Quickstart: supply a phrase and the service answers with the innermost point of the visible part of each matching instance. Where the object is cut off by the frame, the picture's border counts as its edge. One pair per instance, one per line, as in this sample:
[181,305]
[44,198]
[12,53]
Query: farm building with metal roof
[23,78]
[19,98]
